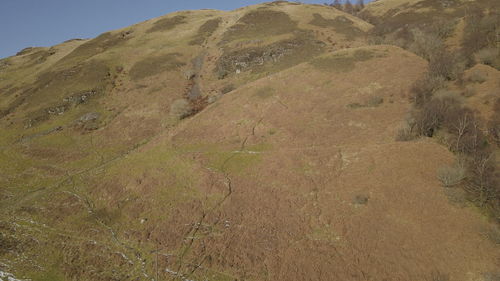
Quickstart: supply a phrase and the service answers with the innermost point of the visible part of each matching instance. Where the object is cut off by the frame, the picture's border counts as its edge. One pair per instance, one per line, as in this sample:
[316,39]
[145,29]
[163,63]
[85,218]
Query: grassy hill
[262,143]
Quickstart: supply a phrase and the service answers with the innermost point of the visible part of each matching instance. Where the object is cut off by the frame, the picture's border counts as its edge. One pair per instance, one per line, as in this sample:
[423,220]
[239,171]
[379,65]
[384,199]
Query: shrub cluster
[464,133]
[480,37]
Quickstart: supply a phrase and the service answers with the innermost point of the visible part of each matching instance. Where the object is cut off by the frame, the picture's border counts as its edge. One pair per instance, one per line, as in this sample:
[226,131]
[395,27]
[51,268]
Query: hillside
[255,144]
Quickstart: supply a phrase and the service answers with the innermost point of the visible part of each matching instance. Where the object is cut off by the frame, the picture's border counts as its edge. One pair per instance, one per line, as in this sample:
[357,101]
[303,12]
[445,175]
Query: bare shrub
[438,276]
[431,115]
[374,101]
[480,33]
[425,44]
[469,91]
[405,131]
[443,28]
[476,76]
[451,175]
[405,134]
[180,109]
[445,64]
[446,93]
[494,124]
[489,56]
[423,89]
[466,134]
[483,185]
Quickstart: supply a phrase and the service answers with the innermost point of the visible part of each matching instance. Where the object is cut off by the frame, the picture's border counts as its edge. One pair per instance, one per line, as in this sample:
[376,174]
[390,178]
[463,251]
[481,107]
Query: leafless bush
[480,33]
[476,76]
[438,276]
[451,175]
[469,91]
[494,124]
[443,28]
[425,44]
[374,101]
[180,109]
[445,64]
[423,89]
[446,93]
[489,56]
[432,114]
[405,133]
[483,185]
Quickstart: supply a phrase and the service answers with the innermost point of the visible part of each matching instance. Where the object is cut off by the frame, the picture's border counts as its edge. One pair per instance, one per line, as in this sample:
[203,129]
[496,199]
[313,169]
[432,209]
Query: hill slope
[256,144]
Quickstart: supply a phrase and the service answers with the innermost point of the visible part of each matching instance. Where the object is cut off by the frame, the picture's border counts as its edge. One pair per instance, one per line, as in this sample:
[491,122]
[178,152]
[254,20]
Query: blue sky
[25,23]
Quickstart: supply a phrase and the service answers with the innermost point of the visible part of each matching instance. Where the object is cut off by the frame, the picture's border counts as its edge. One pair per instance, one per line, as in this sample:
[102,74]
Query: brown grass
[340,24]
[154,65]
[167,24]
[205,31]
[93,47]
[342,62]
[273,57]
[256,24]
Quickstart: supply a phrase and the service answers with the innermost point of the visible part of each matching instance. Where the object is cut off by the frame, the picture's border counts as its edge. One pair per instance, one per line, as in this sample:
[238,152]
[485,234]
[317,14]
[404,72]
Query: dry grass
[342,61]
[256,24]
[153,65]
[272,58]
[451,175]
[95,46]
[205,31]
[167,24]
[340,24]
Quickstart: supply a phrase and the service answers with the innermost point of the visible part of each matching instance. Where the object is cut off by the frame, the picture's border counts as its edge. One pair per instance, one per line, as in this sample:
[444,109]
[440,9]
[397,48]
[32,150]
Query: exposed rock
[88,121]
[80,98]
[246,59]
[89,117]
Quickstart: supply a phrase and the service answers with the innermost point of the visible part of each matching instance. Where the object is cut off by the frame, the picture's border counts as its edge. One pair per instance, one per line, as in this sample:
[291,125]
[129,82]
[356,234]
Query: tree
[360,4]
[348,7]
[336,4]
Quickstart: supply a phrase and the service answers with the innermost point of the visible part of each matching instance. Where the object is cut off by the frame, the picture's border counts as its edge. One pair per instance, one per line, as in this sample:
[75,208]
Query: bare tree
[460,127]
[360,4]
[482,184]
[337,4]
[348,7]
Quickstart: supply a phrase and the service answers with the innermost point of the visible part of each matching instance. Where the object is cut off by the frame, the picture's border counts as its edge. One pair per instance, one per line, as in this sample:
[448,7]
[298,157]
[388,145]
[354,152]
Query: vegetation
[167,24]
[255,24]
[340,24]
[342,61]
[180,109]
[463,129]
[97,161]
[205,31]
[153,65]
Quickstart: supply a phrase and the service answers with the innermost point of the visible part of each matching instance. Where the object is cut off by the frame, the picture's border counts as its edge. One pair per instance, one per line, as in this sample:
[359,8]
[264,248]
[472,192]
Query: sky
[26,23]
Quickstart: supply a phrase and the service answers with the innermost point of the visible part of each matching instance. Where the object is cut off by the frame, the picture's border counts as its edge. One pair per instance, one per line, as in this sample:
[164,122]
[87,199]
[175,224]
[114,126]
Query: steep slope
[287,171]
[395,19]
